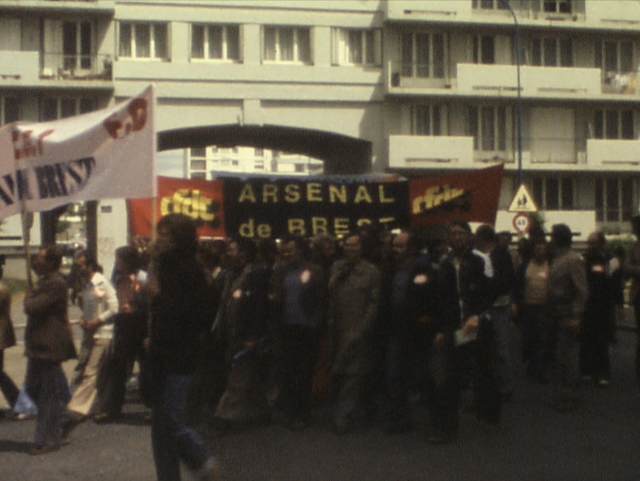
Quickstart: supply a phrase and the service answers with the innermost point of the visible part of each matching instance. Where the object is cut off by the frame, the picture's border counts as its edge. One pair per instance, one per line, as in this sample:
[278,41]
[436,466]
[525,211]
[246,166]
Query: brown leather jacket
[48,333]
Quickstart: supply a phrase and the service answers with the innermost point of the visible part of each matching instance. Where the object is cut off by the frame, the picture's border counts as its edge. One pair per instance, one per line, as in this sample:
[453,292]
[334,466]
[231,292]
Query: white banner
[108,154]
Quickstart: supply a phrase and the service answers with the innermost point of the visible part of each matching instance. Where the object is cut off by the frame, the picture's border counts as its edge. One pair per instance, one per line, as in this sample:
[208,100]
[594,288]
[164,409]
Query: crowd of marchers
[239,332]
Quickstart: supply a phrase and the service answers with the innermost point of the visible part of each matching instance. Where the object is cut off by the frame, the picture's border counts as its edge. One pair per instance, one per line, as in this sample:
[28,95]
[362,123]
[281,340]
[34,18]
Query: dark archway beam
[340,153]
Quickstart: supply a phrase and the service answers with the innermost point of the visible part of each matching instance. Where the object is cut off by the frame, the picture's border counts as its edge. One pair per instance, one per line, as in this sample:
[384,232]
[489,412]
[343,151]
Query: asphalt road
[533,442]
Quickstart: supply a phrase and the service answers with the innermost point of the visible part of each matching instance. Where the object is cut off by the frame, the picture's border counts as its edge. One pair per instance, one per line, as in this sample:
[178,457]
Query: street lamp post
[519,94]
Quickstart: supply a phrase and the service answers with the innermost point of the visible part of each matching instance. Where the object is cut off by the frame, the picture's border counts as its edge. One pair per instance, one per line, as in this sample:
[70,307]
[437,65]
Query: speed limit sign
[521,222]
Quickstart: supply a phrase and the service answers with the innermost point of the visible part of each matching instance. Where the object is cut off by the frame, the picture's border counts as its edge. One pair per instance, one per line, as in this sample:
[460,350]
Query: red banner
[471,196]
[199,199]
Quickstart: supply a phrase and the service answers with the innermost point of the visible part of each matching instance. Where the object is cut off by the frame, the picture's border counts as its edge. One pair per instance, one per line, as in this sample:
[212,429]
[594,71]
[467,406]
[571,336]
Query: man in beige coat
[354,296]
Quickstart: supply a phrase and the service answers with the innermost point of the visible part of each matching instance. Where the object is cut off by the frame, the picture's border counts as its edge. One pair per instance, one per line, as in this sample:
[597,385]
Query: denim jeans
[47,386]
[172,440]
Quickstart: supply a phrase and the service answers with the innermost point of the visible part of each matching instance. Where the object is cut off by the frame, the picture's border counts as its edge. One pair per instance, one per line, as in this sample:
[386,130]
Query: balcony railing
[619,82]
[74,67]
[418,75]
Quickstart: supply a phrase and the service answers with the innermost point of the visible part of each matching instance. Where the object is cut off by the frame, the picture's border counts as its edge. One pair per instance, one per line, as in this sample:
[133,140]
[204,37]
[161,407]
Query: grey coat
[354,297]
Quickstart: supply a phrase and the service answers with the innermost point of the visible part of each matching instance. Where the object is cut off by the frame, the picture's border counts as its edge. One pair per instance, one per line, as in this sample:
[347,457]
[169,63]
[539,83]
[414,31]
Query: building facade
[432,84]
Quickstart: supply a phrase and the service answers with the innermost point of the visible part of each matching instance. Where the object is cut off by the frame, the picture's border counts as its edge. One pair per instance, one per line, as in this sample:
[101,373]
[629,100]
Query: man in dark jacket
[412,303]
[298,300]
[179,319]
[48,343]
[243,318]
[465,338]
[598,321]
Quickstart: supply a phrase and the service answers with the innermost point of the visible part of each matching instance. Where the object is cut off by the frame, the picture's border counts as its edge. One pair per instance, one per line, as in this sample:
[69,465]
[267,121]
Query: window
[488,126]
[489,4]
[425,120]
[198,151]
[484,50]
[199,175]
[614,124]
[554,193]
[258,152]
[614,56]
[556,6]
[357,47]
[614,199]
[143,40]
[215,42]
[423,55]
[198,165]
[552,52]
[76,45]
[9,110]
[53,108]
[287,44]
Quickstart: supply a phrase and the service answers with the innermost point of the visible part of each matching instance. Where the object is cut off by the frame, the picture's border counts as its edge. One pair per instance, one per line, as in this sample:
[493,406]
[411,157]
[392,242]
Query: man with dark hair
[597,327]
[502,281]
[464,337]
[298,303]
[354,295]
[632,269]
[411,305]
[99,306]
[179,318]
[567,295]
[48,343]
[243,317]
[129,332]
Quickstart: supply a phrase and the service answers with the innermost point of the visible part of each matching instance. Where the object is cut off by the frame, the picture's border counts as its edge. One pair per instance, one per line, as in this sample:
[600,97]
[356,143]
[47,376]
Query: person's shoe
[69,426]
[104,418]
[603,382]
[214,473]
[39,449]
[23,417]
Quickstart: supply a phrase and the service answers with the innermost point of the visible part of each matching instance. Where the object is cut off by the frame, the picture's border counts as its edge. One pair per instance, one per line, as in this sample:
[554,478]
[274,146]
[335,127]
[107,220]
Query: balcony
[412,10]
[502,80]
[534,81]
[419,152]
[19,68]
[412,77]
[60,66]
[613,153]
[624,83]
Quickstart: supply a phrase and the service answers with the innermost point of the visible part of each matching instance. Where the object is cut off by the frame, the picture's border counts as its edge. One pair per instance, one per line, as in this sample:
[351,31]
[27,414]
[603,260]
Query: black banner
[259,207]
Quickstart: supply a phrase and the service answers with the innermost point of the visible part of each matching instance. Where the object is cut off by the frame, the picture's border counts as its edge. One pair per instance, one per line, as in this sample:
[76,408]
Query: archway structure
[341,154]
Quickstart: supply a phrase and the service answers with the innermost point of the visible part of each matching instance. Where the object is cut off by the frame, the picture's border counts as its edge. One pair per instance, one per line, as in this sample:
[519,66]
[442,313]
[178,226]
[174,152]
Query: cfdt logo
[199,207]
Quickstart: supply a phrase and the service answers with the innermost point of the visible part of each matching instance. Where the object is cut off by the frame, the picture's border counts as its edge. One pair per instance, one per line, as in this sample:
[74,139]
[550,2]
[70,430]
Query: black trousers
[127,347]
[298,354]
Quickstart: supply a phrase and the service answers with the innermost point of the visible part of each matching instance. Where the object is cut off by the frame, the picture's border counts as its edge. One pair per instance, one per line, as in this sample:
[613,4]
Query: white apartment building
[432,85]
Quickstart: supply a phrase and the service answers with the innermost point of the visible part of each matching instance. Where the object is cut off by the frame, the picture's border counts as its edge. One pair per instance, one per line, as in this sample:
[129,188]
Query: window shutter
[240,43]
[377,47]
[335,46]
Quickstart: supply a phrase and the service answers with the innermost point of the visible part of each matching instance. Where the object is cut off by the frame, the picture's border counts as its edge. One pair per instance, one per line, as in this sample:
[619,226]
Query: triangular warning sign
[522,201]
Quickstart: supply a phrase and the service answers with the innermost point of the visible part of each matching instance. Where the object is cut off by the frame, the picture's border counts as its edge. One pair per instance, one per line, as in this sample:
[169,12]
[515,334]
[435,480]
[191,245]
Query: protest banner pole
[154,218]
[26,240]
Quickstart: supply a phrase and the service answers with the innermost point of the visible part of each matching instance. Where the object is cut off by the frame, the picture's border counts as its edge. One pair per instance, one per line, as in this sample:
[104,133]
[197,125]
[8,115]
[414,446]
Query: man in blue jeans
[179,319]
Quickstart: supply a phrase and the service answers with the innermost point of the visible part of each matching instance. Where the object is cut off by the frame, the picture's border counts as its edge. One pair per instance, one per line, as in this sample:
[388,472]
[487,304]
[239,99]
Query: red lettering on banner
[134,122]
[26,145]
